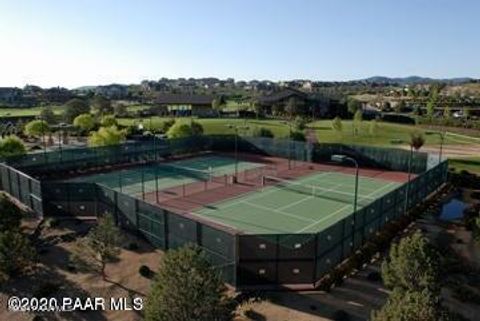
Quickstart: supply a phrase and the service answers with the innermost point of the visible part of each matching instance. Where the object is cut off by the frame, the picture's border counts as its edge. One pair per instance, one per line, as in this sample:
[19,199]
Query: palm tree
[416,142]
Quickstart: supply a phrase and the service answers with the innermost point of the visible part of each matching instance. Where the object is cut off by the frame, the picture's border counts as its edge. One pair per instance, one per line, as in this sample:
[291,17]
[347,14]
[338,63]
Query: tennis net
[315,191]
[199,174]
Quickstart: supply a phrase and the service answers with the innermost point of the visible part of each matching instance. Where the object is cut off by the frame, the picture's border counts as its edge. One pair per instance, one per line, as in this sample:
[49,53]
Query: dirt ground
[124,280]
[451,151]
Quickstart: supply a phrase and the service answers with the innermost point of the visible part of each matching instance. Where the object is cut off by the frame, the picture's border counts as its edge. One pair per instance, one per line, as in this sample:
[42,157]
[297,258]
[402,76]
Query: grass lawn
[383,136]
[34,111]
[469,164]
[215,126]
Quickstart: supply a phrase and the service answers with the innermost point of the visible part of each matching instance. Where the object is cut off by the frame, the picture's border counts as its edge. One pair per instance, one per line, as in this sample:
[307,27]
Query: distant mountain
[413,80]
[85,88]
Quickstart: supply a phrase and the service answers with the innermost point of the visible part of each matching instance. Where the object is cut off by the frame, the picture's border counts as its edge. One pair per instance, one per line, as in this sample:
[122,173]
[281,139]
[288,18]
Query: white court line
[341,209]
[249,196]
[309,197]
[277,211]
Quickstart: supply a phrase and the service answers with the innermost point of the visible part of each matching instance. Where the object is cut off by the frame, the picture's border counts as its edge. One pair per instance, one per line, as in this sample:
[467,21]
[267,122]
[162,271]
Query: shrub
[186,285]
[263,132]
[108,121]
[165,126]
[132,246]
[300,123]
[340,315]
[297,136]
[84,122]
[46,289]
[179,130]
[106,136]
[37,128]
[412,264]
[12,146]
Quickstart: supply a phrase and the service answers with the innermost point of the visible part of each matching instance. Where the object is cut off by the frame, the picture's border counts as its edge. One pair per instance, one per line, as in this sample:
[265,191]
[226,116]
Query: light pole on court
[343,159]
[236,129]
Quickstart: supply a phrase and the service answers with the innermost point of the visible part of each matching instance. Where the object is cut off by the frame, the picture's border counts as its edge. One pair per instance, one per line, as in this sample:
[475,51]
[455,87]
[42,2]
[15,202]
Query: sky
[73,43]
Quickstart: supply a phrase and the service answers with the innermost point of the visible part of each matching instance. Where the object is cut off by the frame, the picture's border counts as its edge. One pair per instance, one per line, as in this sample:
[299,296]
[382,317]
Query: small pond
[453,209]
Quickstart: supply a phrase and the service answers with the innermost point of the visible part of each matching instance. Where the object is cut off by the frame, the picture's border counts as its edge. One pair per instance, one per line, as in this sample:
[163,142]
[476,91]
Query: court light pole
[289,143]
[442,135]
[236,129]
[338,158]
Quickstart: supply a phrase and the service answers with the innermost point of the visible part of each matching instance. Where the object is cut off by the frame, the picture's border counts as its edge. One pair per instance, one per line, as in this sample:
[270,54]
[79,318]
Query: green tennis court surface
[307,205]
[159,176]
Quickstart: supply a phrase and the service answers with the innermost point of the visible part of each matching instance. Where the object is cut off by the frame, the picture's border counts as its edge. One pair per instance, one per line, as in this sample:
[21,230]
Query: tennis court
[305,205]
[153,177]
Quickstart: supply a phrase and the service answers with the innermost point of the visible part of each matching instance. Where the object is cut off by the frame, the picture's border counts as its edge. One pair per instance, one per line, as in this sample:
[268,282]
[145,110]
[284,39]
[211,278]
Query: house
[187,105]
[10,95]
[282,97]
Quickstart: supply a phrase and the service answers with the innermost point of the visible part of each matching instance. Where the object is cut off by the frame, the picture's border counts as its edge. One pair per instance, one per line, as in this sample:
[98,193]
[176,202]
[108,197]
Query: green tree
[120,110]
[297,136]
[400,106]
[12,146]
[256,106]
[262,132]
[411,306]
[75,107]
[432,101]
[217,104]
[106,136]
[476,231]
[373,127]
[16,254]
[48,115]
[165,125]
[10,214]
[100,105]
[197,128]
[84,122]
[417,140]
[357,122]
[353,105]
[447,113]
[37,128]
[412,265]
[179,130]
[187,288]
[278,109]
[101,246]
[300,123]
[337,124]
[108,121]
[293,107]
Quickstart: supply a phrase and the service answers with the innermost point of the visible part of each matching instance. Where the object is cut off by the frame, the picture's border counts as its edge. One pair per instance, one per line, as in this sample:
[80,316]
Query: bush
[374,277]
[108,121]
[46,290]
[297,136]
[262,132]
[179,130]
[340,315]
[84,122]
[197,128]
[106,136]
[187,285]
[145,271]
[37,128]
[132,246]
[10,215]
[12,146]
[165,126]
[300,123]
